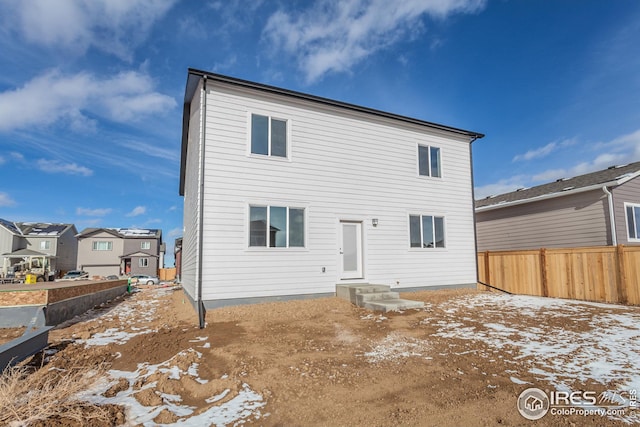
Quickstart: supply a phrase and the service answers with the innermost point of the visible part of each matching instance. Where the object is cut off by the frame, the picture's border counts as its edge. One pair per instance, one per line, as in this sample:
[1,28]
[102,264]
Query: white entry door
[351,250]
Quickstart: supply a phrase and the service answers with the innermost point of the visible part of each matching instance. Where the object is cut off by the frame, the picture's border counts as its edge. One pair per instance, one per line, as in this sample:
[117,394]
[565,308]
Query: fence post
[487,276]
[543,273]
[621,281]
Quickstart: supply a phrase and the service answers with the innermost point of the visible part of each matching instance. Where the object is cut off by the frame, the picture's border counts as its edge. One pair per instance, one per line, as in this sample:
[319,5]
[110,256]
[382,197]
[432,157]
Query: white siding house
[288,194]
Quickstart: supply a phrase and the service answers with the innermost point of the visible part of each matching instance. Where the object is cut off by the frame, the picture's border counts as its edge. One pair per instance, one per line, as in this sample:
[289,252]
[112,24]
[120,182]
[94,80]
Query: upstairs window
[429,163]
[276,227]
[633,221]
[268,136]
[145,245]
[426,231]
[102,245]
[45,245]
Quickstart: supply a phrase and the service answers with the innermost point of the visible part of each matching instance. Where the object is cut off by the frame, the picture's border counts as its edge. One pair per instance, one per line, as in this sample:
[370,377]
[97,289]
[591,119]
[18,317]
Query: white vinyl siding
[348,166]
[191,215]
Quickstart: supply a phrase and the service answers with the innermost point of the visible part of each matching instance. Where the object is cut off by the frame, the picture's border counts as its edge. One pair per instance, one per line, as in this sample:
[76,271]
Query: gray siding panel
[629,192]
[90,260]
[571,221]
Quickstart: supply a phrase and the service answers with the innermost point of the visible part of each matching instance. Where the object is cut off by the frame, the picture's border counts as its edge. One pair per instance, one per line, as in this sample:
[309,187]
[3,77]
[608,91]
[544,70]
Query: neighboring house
[57,240]
[120,251]
[54,245]
[350,194]
[596,209]
[177,252]
[11,238]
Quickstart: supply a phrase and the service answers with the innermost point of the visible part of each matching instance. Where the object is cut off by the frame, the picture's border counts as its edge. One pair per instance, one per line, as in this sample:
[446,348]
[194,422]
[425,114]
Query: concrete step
[348,291]
[392,305]
[375,296]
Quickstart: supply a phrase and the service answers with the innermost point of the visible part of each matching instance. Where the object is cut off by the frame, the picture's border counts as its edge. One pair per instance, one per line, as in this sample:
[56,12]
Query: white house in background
[288,194]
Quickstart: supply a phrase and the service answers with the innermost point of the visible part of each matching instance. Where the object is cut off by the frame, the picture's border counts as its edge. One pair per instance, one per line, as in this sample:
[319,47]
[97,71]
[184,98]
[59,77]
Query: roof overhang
[588,188]
[23,253]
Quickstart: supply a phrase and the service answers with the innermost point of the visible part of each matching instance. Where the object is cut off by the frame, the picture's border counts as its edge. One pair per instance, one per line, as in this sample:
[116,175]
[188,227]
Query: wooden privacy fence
[602,273]
[167,273]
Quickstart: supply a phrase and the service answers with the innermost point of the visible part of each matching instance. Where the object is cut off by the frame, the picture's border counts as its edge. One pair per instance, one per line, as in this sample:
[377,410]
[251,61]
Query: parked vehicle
[76,275]
[145,279]
[112,277]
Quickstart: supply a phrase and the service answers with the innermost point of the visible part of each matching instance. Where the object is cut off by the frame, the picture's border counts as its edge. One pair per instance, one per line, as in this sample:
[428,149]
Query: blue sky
[91,91]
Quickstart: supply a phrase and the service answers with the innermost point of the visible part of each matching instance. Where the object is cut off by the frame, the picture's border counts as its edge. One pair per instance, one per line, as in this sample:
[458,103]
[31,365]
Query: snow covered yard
[326,362]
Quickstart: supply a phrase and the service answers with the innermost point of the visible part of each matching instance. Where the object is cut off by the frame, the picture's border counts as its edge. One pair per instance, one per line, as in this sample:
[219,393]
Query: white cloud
[6,200]
[537,153]
[93,212]
[333,36]
[125,97]
[17,156]
[175,232]
[56,166]
[544,151]
[153,150]
[505,185]
[618,151]
[113,26]
[138,210]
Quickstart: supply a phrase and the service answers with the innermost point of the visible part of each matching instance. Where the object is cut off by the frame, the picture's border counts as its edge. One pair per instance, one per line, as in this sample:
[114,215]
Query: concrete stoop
[375,297]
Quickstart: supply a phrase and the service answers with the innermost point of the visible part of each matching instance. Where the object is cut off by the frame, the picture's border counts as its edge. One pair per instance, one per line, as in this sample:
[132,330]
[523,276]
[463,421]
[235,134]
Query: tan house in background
[596,209]
[49,246]
[120,251]
[57,240]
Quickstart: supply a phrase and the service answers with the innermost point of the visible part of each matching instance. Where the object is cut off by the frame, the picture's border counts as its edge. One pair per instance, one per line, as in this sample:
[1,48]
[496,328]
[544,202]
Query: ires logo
[573,398]
[534,403]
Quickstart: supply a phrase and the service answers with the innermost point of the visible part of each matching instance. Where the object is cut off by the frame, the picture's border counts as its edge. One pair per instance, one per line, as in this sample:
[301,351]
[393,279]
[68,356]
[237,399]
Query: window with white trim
[633,221]
[426,231]
[268,136]
[99,245]
[45,245]
[285,227]
[143,262]
[429,161]
[145,245]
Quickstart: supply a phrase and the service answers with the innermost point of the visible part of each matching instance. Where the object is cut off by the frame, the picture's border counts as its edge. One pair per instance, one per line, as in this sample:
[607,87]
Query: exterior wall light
[374,222]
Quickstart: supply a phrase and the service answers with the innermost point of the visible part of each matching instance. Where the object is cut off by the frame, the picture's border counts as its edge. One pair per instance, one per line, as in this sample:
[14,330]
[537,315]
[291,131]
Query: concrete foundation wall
[61,311]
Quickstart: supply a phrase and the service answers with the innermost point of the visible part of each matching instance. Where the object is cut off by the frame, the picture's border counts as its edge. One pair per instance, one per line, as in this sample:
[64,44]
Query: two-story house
[57,240]
[49,247]
[287,195]
[120,251]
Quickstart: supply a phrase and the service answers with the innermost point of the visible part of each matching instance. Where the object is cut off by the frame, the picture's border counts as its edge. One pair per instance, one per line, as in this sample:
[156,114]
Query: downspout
[612,220]
[201,310]
[473,208]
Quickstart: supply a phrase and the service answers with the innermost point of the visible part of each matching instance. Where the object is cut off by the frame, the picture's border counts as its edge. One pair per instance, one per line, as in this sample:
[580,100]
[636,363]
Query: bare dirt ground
[326,362]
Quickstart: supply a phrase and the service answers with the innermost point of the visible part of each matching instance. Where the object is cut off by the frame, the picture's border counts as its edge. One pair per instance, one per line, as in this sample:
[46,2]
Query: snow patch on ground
[245,405]
[396,346]
[604,349]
